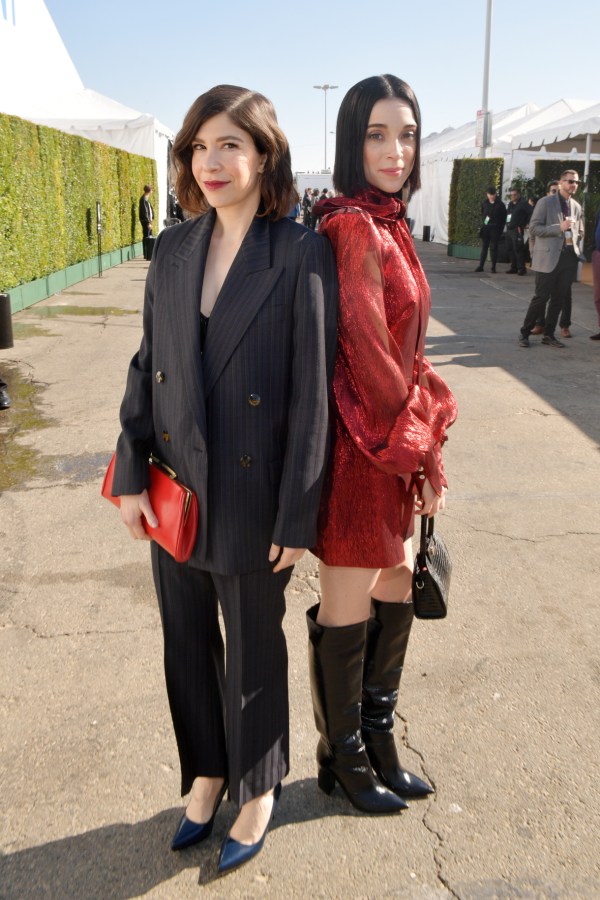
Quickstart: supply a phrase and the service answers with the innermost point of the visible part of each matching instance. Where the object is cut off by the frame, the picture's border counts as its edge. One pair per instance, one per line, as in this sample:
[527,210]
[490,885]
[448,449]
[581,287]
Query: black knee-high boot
[336,659]
[387,640]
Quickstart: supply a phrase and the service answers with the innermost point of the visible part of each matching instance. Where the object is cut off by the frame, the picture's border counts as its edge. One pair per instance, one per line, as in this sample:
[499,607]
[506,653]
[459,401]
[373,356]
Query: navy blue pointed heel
[189,833]
[233,854]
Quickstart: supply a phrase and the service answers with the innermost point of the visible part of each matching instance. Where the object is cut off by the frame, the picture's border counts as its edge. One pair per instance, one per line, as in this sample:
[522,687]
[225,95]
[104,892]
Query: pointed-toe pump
[189,833]
[233,854]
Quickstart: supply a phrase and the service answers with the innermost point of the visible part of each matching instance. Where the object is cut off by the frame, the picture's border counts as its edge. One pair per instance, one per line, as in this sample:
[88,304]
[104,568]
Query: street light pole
[486,82]
[325,88]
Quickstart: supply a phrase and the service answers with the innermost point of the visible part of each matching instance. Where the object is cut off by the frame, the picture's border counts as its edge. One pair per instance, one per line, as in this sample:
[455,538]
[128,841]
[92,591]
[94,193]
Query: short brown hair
[569,172]
[255,114]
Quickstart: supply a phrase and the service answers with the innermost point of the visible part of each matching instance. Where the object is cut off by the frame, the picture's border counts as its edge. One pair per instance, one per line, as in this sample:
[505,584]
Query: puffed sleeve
[397,424]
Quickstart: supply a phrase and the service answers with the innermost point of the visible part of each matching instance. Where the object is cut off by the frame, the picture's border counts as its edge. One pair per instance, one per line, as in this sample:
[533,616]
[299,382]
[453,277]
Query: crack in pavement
[430,802]
[68,634]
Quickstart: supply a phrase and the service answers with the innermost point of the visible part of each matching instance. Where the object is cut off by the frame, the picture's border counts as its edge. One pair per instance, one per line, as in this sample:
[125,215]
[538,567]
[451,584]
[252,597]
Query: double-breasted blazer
[245,424]
[544,226]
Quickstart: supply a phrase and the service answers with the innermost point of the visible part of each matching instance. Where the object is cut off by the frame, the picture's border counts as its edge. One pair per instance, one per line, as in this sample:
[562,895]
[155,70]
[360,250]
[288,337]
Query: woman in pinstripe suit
[230,389]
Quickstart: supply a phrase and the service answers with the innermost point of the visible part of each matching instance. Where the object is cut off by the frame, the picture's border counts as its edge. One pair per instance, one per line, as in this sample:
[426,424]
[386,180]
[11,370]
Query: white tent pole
[588,153]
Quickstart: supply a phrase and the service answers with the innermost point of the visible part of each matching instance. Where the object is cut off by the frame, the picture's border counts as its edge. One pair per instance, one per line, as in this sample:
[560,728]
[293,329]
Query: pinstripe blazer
[246,424]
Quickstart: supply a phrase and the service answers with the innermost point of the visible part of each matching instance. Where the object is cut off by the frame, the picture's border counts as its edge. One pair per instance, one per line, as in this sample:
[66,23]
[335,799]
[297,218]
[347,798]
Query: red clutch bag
[175,505]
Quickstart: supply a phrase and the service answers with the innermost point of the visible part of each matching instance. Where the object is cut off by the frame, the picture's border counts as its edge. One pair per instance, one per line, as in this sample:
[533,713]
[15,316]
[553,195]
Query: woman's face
[390,145]
[226,164]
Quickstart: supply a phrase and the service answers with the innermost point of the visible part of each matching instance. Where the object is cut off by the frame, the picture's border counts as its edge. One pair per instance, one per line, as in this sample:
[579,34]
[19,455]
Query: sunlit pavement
[499,703]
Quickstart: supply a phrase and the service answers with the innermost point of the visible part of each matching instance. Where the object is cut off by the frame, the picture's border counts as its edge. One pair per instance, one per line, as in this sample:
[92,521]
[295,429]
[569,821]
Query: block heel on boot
[326,781]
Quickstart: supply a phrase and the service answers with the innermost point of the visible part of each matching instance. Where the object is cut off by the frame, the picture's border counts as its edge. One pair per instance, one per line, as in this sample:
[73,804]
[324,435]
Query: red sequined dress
[391,408]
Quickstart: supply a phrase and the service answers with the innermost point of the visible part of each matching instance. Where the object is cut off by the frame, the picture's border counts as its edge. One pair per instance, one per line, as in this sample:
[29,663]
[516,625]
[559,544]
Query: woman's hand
[429,503]
[133,507]
[289,556]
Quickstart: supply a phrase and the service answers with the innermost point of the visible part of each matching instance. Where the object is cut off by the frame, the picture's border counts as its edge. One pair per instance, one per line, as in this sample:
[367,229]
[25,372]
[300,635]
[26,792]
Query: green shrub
[49,184]
[470,179]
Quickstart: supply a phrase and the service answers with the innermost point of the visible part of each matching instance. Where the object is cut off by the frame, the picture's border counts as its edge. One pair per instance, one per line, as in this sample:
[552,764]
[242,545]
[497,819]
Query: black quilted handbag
[431,575]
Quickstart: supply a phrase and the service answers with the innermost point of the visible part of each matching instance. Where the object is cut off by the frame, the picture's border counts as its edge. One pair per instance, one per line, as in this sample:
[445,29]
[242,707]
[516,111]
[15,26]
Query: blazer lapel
[186,275]
[249,282]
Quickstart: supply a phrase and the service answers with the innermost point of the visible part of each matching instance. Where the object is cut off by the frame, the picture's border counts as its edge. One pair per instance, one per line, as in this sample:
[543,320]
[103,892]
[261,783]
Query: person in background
[4,397]
[558,228]
[551,189]
[518,213]
[306,205]
[175,210]
[314,199]
[493,214]
[391,413]
[146,212]
[230,388]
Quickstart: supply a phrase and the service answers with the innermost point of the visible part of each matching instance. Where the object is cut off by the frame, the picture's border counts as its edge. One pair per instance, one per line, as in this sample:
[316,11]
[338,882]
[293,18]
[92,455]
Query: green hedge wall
[49,184]
[470,178]
[548,169]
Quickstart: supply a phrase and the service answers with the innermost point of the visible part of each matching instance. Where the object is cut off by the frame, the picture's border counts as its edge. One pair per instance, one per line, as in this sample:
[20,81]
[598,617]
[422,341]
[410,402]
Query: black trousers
[231,720]
[516,250]
[555,287]
[489,241]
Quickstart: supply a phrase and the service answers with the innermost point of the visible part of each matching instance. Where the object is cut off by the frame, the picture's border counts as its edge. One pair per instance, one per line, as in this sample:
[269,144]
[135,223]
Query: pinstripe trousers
[230,711]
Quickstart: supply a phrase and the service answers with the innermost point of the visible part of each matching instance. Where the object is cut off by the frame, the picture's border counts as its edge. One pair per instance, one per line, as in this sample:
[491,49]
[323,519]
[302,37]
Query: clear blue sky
[159,56]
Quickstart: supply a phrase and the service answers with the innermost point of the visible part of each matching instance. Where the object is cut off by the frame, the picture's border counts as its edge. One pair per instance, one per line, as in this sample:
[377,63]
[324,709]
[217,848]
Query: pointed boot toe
[405,784]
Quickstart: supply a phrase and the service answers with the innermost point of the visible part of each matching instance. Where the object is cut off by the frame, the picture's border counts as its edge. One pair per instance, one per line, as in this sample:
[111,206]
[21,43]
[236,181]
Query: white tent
[579,133]
[561,135]
[41,84]
[429,207]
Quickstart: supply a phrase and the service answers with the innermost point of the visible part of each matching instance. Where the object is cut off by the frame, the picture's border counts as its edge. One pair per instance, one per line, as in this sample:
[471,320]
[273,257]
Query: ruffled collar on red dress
[372,201]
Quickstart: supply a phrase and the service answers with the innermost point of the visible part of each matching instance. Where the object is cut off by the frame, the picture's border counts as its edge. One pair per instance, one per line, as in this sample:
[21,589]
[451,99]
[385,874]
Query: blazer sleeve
[136,440]
[314,346]
[397,424]
[539,226]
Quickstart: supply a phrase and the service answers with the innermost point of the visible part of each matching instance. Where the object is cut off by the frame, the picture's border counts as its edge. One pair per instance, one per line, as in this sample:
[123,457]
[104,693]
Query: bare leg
[346,592]
[202,798]
[394,585]
[345,595]
[252,820]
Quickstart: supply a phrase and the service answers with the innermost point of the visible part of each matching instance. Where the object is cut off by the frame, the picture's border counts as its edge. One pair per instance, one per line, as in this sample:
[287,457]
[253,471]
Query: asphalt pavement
[499,703]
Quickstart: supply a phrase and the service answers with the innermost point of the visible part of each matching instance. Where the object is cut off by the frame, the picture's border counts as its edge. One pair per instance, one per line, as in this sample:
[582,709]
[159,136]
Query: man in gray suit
[557,226]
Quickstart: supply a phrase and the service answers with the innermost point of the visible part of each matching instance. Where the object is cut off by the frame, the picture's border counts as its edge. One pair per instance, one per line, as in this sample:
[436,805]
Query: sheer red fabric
[391,408]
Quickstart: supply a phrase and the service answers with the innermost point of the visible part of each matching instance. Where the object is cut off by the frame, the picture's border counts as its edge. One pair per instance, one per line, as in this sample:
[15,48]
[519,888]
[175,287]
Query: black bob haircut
[352,123]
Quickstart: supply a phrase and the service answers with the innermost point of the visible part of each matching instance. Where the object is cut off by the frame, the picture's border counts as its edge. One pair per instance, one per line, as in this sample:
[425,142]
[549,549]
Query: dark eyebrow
[381,125]
[227,137]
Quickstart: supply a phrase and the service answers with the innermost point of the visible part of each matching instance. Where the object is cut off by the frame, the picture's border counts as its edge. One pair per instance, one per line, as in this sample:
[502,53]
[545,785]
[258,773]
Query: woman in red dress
[391,415]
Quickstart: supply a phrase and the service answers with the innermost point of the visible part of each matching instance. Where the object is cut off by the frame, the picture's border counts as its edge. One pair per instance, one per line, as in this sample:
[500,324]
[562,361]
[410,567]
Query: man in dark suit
[493,215]
[518,212]
[146,213]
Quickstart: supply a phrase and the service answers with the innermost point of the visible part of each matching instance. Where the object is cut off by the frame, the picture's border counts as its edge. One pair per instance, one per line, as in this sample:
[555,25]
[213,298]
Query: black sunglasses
[571,181]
